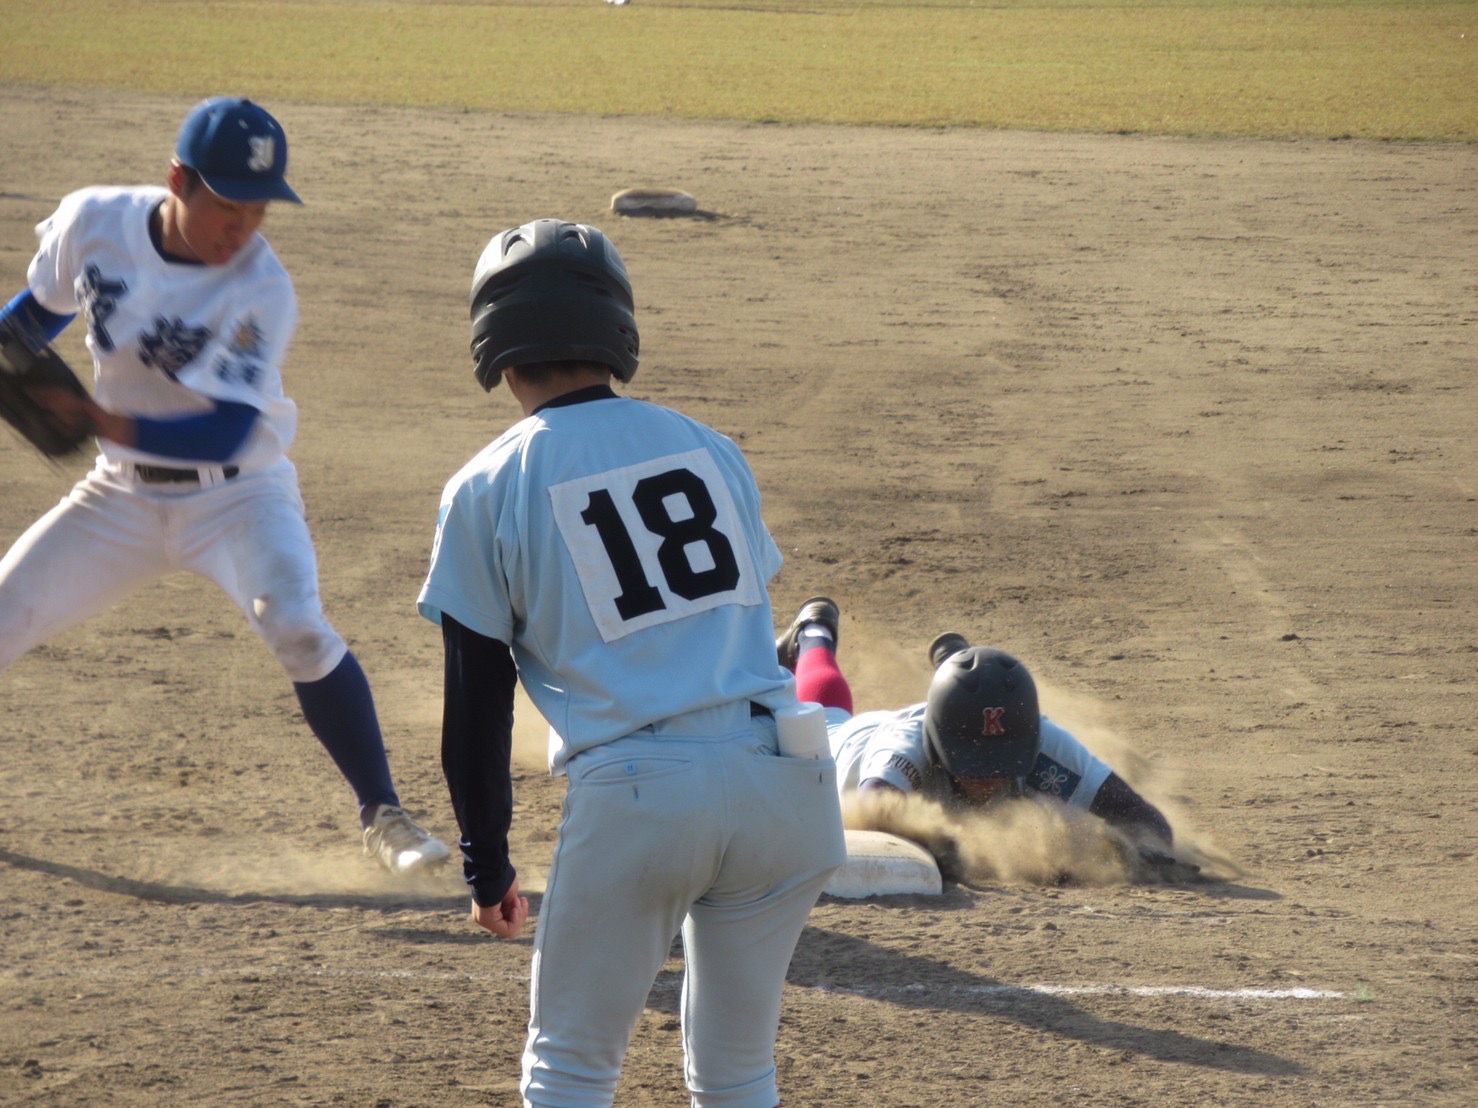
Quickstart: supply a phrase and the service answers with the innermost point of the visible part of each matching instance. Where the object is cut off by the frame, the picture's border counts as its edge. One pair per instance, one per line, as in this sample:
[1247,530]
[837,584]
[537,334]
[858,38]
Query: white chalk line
[882,992]
[1195,992]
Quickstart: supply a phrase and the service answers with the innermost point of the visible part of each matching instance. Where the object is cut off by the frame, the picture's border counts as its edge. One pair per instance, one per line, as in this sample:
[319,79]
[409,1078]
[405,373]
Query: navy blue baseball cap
[238,149]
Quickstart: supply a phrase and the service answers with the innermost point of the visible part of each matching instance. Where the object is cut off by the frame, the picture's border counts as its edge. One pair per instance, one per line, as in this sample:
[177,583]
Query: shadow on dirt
[840,963]
[394,897]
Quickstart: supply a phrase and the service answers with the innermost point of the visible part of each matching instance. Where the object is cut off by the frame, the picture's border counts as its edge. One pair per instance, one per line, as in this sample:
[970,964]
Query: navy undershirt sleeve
[40,326]
[1117,803]
[209,437]
[476,748]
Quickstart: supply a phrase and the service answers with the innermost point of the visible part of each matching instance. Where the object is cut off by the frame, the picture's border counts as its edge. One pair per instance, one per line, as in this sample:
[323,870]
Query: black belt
[164,475]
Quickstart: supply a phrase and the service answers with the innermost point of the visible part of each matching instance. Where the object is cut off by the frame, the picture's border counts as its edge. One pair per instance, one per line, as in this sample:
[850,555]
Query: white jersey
[890,746]
[617,546]
[165,335]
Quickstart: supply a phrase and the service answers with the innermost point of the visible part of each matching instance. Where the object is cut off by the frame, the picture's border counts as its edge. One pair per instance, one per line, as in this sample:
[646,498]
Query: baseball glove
[26,371]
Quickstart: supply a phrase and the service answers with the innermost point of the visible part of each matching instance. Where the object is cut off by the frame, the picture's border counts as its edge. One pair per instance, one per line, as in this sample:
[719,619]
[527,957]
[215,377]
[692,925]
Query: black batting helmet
[982,719]
[551,291]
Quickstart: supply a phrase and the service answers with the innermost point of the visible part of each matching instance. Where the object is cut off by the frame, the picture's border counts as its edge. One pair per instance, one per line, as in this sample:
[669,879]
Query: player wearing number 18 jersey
[614,550]
[597,541]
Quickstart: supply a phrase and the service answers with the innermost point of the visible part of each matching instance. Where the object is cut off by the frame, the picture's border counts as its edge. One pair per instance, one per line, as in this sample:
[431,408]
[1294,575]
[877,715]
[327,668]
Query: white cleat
[394,840]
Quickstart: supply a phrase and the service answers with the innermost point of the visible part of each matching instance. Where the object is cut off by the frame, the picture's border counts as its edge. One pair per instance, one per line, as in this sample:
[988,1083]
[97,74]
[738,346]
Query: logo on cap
[261,153]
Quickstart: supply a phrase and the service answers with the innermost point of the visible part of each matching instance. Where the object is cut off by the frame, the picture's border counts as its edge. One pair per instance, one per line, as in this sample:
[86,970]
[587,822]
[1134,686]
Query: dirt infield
[1187,425]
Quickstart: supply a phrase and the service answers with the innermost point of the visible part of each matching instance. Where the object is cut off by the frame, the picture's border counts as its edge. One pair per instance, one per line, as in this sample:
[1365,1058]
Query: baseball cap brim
[246,192]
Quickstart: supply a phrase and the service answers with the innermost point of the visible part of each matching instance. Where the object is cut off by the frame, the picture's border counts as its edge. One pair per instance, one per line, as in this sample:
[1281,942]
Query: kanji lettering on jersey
[242,360]
[99,298]
[172,345]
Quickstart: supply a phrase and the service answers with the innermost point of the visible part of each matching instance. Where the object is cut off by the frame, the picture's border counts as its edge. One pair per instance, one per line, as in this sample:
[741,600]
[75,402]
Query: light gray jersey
[889,745]
[617,546]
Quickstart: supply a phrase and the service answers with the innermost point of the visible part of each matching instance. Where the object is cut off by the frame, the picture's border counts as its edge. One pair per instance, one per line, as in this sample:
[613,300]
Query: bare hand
[83,413]
[504,919]
[70,410]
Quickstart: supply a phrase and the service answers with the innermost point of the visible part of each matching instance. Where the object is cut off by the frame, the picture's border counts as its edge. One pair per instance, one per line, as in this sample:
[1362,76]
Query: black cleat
[819,609]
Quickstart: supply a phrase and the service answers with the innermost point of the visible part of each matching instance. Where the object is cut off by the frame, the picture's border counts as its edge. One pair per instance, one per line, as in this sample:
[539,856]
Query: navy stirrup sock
[340,711]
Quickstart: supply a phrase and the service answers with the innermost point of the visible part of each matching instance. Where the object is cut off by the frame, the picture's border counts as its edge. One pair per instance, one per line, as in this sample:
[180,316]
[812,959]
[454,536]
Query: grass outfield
[1395,69]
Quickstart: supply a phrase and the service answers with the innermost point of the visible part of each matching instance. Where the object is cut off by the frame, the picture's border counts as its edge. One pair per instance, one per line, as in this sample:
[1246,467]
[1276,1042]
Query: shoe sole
[819,609]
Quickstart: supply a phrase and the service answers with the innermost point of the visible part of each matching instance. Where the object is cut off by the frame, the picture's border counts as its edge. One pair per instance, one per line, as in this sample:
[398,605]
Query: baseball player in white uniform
[610,554]
[189,314]
[979,735]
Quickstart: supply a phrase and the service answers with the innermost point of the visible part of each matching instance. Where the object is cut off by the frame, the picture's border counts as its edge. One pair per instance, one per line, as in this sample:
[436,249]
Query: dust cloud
[1035,841]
